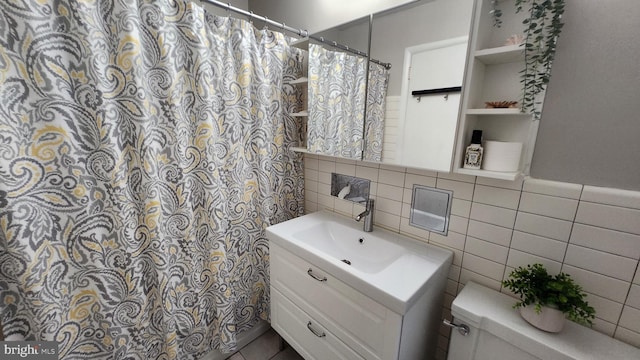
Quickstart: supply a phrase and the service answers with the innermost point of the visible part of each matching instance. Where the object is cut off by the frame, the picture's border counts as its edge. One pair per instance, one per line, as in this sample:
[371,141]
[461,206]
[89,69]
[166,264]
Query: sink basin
[363,251]
[392,269]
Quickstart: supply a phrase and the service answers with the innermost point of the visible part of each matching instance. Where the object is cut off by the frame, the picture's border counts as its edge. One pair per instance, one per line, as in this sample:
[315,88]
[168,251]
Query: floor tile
[262,348]
[287,354]
[236,356]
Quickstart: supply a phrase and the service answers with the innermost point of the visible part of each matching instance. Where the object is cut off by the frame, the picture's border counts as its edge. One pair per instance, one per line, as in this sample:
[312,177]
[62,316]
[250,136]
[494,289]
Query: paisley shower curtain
[338,92]
[376,108]
[143,150]
[337,87]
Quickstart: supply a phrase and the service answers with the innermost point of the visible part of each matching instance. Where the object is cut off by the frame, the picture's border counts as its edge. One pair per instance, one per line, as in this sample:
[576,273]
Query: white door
[428,123]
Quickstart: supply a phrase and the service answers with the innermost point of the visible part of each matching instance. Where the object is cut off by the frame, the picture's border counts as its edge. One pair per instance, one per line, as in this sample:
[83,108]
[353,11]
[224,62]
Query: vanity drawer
[360,322]
[304,333]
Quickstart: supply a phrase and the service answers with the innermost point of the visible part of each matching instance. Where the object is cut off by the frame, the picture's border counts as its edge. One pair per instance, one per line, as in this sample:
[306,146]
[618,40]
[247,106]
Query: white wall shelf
[303,80]
[498,111]
[301,87]
[500,55]
[493,74]
[510,176]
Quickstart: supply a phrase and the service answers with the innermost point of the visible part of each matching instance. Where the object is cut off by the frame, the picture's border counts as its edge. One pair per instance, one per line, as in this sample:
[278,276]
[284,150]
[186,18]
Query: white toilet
[494,330]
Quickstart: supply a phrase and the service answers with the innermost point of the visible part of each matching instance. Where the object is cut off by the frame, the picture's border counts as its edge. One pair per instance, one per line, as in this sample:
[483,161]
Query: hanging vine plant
[542,28]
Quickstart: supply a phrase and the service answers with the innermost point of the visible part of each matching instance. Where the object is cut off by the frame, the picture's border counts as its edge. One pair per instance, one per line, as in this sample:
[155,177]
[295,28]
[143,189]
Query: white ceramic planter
[548,319]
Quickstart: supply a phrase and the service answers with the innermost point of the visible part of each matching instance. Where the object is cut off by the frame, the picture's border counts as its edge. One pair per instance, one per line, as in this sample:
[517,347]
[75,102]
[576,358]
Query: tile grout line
[575,216]
[513,230]
[615,331]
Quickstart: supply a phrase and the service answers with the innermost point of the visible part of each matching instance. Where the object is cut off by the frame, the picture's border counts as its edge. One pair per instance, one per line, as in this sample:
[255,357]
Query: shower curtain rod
[299,32]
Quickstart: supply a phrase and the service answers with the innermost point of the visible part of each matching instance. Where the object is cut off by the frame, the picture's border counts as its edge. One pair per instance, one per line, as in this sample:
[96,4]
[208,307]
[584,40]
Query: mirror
[393,32]
[337,89]
[402,34]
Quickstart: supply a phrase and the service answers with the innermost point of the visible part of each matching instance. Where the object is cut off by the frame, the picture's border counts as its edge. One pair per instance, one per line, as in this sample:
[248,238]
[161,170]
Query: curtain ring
[266,25]
[229,8]
[251,17]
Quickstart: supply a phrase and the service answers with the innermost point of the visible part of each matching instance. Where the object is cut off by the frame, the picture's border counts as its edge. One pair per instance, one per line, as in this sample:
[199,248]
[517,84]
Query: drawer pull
[310,272]
[315,332]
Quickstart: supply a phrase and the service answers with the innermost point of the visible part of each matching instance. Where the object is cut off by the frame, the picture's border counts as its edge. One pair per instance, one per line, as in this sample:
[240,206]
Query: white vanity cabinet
[323,318]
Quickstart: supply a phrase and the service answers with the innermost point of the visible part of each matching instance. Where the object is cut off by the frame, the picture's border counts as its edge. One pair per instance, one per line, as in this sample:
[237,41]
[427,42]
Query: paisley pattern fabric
[336,87]
[144,148]
[376,108]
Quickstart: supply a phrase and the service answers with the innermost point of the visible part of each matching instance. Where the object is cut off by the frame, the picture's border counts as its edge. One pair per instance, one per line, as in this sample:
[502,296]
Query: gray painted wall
[590,126]
[315,15]
[241,4]
[354,34]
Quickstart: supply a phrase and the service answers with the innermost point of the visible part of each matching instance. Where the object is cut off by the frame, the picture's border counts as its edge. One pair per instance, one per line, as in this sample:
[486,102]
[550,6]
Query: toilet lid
[486,309]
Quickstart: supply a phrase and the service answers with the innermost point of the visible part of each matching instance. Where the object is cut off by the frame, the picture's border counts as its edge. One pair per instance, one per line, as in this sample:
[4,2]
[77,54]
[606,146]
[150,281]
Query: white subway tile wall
[591,233]
[391,123]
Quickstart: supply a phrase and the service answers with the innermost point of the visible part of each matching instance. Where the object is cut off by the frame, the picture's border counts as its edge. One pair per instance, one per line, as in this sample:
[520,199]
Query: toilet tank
[497,331]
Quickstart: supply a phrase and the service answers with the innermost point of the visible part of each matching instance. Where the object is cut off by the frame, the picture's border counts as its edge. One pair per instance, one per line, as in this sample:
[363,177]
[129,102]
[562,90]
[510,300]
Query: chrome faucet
[368,216]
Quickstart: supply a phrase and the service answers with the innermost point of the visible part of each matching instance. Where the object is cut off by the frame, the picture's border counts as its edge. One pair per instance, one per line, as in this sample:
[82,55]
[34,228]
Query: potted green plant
[546,299]
[542,27]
